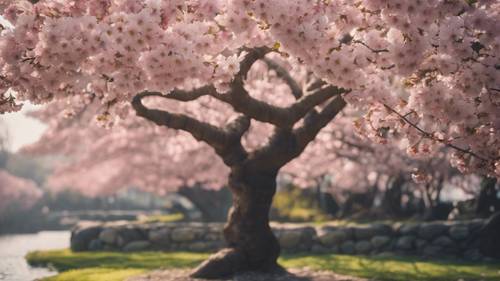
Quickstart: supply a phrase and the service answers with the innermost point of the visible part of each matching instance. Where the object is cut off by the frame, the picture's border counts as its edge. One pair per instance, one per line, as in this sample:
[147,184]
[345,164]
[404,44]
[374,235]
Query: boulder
[367,232]
[136,246]
[96,245]
[459,232]
[109,236]
[348,247]
[160,236]
[214,236]
[380,241]
[183,235]
[472,255]
[429,231]
[420,244]
[289,239]
[363,247]
[331,238]
[489,236]
[127,235]
[200,246]
[408,229]
[443,241]
[405,242]
[432,251]
[320,249]
[82,235]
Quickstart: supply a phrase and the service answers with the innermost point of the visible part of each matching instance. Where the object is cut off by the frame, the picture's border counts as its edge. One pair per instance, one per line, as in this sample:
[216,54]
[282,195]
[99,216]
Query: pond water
[13,248]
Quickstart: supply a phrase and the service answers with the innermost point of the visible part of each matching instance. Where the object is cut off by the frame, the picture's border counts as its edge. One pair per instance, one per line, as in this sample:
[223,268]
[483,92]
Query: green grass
[64,260]
[397,268]
[96,274]
[162,218]
[118,266]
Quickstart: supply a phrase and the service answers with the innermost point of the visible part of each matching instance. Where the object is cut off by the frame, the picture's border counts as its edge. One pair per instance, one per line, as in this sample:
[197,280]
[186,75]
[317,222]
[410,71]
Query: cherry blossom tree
[423,71]
[17,193]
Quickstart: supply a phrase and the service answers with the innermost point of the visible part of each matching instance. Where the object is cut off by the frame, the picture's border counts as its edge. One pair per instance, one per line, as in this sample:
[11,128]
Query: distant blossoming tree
[17,193]
[423,71]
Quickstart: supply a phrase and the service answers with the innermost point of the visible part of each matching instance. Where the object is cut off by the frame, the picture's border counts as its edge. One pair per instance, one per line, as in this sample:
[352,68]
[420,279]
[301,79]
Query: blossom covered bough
[425,72]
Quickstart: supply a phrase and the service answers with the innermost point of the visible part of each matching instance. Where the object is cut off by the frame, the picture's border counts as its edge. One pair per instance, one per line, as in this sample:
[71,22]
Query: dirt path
[295,275]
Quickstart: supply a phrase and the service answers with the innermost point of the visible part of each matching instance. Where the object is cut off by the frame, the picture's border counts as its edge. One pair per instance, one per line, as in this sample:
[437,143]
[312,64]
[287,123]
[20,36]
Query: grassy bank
[105,266]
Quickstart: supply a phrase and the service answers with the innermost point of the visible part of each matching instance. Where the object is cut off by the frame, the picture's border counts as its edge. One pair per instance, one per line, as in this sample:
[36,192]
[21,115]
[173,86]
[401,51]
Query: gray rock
[348,247]
[200,246]
[127,235]
[430,231]
[136,246]
[443,241]
[459,232]
[289,239]
[432,251]
[405,242]
[308,236]
[408,229]
[385,254]
[160,236]
[331,238]
[215,236]
[420,243]
[367,232]
[183,235]
[380,241]
[476,224]
[363,247]
[82,235]
[319,249]
[96,245]
[109,236]
[472,255]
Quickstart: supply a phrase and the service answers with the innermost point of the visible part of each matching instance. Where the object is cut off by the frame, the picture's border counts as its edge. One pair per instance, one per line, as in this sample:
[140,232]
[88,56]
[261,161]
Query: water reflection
[13,248]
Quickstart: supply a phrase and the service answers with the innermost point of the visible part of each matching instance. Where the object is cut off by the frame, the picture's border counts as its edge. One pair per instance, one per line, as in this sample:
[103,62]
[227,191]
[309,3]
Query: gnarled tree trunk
[252,245]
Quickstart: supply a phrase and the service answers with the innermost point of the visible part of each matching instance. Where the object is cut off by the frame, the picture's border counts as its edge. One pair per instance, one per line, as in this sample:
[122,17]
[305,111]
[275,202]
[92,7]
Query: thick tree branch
[283,117]
[182,95]
[315,122]
[202,131]
[285,76]
[286,144]
[226,141]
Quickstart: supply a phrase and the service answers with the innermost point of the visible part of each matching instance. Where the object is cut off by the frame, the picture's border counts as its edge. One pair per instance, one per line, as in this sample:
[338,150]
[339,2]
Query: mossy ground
[118,266]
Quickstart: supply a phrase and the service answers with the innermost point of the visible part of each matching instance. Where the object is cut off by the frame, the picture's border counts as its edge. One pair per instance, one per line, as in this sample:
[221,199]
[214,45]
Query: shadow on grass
[396,268]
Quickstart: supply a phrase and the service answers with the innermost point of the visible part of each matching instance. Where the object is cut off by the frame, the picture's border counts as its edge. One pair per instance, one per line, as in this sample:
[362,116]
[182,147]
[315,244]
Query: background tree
[426,73]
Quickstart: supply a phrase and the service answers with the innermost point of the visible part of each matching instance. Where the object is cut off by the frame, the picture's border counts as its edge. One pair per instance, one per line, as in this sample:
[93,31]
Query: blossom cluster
[424,71]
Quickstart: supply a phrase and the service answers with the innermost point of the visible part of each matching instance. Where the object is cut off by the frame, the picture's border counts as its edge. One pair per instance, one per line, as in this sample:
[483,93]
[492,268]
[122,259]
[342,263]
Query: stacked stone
[454,239]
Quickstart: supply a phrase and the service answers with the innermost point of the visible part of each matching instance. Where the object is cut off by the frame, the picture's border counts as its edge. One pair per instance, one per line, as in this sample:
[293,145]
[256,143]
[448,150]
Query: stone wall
[454,239]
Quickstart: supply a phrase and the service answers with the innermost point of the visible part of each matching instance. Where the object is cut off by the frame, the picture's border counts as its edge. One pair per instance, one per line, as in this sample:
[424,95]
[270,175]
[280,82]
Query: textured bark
[252,245]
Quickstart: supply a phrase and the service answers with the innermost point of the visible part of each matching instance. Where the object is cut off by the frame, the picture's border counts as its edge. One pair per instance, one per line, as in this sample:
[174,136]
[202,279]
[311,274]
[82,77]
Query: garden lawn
[105,266]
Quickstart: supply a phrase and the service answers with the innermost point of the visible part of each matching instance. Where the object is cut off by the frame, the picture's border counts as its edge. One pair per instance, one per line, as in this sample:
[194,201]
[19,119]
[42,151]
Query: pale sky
[21,129]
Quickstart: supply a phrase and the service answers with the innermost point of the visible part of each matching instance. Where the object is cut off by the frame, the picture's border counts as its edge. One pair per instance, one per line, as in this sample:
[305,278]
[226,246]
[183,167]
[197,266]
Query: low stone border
[454,239]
